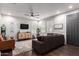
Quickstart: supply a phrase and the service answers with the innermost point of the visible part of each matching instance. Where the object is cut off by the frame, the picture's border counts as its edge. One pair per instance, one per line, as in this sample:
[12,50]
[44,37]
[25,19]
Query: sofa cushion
[54,34]
[48,34]
[43,38]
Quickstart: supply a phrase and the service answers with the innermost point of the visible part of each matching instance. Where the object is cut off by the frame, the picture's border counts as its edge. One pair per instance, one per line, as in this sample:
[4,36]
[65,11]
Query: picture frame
[58,26]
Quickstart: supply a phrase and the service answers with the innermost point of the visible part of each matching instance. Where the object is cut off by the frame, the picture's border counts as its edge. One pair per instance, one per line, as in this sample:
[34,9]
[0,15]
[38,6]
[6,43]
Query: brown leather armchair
[6,45]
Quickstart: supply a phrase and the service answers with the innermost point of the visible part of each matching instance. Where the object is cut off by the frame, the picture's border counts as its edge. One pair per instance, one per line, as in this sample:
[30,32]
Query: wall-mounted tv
[24,26]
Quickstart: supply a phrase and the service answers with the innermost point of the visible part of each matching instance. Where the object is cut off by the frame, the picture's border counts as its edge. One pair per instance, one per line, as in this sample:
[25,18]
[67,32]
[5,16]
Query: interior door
[73,29]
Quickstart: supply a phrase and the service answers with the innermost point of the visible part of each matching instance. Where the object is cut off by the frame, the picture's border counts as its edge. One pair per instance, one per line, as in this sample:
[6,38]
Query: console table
[24,35]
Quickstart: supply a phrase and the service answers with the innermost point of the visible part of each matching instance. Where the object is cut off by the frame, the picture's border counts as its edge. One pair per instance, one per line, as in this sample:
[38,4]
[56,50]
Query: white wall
[60,19]
[46,26]
[13,24]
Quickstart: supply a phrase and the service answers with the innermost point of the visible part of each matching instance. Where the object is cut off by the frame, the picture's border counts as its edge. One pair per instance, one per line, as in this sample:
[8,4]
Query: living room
[32,27]
[60,23]
[19,27]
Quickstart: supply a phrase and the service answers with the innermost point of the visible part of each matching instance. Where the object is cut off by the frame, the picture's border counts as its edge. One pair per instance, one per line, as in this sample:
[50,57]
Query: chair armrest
[7,44]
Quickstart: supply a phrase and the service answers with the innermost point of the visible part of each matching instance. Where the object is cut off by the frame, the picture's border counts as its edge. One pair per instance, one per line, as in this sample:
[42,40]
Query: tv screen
[24,26]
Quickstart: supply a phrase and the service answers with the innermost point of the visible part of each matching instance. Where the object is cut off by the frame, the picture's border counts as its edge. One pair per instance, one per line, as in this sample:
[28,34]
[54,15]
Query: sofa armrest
[38,46]
[36,42]
[7,44]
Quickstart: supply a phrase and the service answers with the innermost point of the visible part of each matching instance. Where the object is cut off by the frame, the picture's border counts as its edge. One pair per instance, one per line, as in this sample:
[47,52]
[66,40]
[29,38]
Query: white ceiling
[45,9]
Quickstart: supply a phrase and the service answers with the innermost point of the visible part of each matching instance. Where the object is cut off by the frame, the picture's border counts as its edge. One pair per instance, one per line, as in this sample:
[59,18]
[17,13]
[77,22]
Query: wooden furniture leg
[6,52]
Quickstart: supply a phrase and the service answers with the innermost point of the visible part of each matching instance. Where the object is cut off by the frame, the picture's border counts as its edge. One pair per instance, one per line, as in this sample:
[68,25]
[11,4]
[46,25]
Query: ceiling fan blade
[27,14]
[36,14]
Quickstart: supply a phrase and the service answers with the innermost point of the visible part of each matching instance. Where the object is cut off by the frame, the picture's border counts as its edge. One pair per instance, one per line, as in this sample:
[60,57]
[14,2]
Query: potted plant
[38,32]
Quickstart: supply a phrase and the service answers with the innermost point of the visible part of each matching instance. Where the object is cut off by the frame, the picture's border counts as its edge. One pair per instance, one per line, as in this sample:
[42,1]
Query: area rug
[28,53]
[22,46]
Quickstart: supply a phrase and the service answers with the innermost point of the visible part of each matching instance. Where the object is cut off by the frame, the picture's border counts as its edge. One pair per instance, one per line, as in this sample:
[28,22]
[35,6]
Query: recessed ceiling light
[70,7]
[9,13]
[57,12]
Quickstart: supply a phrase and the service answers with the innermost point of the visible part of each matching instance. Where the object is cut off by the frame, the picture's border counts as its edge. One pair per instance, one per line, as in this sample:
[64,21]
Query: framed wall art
[58,26]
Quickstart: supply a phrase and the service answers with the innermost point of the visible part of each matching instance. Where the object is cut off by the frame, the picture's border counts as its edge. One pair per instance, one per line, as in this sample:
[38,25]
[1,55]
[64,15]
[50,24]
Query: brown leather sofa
[6,45]
[47,43]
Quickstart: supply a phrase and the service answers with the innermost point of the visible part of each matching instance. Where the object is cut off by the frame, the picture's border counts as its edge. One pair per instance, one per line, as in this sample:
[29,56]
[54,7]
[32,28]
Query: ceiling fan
[31,13]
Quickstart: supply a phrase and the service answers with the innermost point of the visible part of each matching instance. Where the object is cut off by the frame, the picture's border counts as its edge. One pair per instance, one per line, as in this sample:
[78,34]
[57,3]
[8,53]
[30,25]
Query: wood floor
[67,50]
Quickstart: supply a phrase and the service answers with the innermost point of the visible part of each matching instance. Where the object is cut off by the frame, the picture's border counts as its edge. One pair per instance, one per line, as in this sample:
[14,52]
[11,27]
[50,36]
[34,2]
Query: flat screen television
[24,26]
